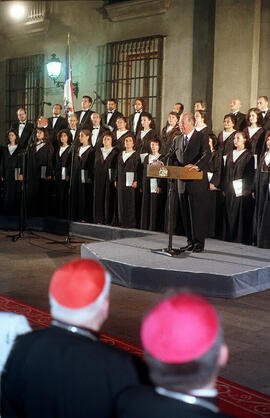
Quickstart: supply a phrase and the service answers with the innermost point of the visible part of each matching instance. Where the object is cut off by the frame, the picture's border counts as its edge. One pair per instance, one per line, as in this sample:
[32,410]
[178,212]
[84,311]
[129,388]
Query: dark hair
[141,100]
[129,136]
[123,118]
[89,98]
[107,133]
[245,136]
[259,116]
[157,141]
[231,116]
[57,104]
[46,137]
[15,133]
[87,133]
[184,377]
[67,132]
[150,117]
[112,100]
[214,140]
[175,114]
[264,97]
[202,103]
[267,135]
[203,115]
[181,106]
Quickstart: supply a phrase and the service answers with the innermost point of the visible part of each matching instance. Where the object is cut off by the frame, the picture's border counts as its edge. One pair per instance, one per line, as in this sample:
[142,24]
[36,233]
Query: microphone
[98,96]
[47,103]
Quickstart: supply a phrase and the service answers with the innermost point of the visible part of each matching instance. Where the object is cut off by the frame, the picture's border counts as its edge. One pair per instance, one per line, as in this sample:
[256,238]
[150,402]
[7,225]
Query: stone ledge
[134,9]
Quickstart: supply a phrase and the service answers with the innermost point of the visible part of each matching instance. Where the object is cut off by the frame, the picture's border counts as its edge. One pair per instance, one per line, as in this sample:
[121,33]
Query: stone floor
[26,267]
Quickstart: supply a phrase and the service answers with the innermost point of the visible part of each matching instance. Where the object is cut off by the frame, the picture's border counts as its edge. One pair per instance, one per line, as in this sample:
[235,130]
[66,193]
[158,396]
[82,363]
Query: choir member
[43,122]
[73,128]
[39,174]
[215,198]
[200,105]
[62,172]
[104,190]
[110,116]
[120,133]
[23,127]
[145,135]
[152,213]
[97,131]
[262,196]
[201,122]
[126,184]
[178,108]
[11,173]
[81,186]
[237,186]
[240,118]
[263,107]
[169,132]
[84,115]
[255,133]
[135,118]
[57,122]
[226,137]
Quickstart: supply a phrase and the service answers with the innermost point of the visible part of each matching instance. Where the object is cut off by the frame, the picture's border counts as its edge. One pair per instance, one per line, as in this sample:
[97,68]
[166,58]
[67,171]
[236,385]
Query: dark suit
[266,121]
[131,124]
[193,193]
[57,373]
[26,133]
[144,402]
[241,121]
[61,123]
[99,141]
[112,121]
[86,122]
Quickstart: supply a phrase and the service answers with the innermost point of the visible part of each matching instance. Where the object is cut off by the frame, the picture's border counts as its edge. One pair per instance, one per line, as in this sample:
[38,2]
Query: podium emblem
[163,172]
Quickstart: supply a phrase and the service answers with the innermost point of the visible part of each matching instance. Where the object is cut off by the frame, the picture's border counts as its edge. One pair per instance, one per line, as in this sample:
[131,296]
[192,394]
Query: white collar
[190,134]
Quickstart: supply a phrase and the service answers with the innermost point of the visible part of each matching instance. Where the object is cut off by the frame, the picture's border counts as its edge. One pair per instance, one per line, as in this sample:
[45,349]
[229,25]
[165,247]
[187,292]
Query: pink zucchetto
[180,329]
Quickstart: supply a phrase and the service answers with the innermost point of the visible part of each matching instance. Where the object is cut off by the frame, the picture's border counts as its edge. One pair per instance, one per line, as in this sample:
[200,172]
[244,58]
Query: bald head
[235,105]
[187,123]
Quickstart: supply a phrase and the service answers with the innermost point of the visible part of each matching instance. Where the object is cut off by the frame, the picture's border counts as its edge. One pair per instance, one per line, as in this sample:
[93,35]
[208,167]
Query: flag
[68,88]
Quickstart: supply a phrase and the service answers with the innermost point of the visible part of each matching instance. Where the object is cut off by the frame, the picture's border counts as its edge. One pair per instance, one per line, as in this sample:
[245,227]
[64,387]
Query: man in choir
[56,123]
[43,122]
[200,105]
[84,115]
[135,118]
[23,128]
[263,107]
[110,116]
[64,370]
[191,150]
[240,118]
[184,349]
[178,108]
[73,127]
[97,131]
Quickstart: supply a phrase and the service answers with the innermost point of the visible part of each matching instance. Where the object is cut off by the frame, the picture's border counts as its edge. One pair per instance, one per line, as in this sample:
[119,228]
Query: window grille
[134,69]
[24,87]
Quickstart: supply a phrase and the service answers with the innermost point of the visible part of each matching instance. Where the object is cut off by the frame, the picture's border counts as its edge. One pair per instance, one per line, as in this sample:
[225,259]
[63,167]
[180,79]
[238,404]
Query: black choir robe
[239,210]
[104,190]
[138,126]
[143,144]
[127,195]
[26,133]
[215,199]
[86,122]
[120,142]
[262,208]
[257,143]
[266,121]
[82,185]
[99,141]
[11,166]
[61,123]
[241,121]
[152,211]
[112,122]
[57,373]
[38,188]
[167,138]
[226,146]
[62,166]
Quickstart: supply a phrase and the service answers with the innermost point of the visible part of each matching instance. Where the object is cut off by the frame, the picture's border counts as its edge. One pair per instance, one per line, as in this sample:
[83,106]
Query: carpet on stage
[234,399]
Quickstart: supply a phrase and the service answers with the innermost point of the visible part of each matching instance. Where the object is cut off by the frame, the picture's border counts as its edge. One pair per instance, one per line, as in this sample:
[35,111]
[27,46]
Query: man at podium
[191,150]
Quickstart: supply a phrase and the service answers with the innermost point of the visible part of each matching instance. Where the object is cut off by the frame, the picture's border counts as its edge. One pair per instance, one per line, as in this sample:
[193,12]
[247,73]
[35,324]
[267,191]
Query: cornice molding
[134,9]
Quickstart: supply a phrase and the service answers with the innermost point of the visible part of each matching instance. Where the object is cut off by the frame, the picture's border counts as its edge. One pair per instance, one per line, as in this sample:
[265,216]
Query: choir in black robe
[239,210]
[104,189]
[266,121]
[26,133]
[227,145]
[240,121]
[262,209]
[82,185]
[62,171]
[167,138]
[143,145]
[10,169]
[152,212]
[120,142]
[38,187]
[138,126]
[257,143]
[86,122]
[215,198]
[127,195]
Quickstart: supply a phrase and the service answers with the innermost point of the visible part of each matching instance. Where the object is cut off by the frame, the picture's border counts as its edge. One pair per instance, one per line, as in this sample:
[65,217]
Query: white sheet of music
[153,185]
[64,173]
[209,175]
[238,187]
[84,175]
[129,178]
[143,156]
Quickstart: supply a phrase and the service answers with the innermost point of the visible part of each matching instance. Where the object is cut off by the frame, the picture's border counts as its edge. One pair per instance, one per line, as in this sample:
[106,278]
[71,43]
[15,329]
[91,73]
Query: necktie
[185,141]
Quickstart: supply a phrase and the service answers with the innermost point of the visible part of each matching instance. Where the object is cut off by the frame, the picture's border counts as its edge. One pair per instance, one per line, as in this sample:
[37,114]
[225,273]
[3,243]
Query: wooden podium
[171,173]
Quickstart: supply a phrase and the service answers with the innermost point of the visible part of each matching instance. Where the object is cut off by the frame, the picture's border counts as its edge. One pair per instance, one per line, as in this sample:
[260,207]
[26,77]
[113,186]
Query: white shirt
[83,149]
[109,115]
[82,114]
[252,131]
[143,133]
[152,158]
[21,128]
[95,133]
[169,128]
[190,134]
[226,135]
[126,155]
[55,119]
[136,119]
[39,146]
[236,154]
[11,148]
[62,150]
[73,133]
[120,133]
[198,129]
[264,112]
[267,158]
[106,152]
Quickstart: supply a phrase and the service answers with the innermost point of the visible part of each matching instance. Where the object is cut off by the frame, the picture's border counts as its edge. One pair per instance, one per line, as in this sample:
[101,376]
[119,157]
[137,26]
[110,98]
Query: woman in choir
[127,183]
[145,135]
[215,198]
[39,174]
[237,186]
[201,121]
[82,181]
[120,133]
[104,190]
[62,172]
[262,196]
[255,133]
[169,132]
[11,161]
[152,213]
[226,137]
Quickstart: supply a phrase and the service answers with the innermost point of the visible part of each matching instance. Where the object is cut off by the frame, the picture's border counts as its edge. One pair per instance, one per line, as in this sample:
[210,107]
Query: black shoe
[197,249]
[188,247]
